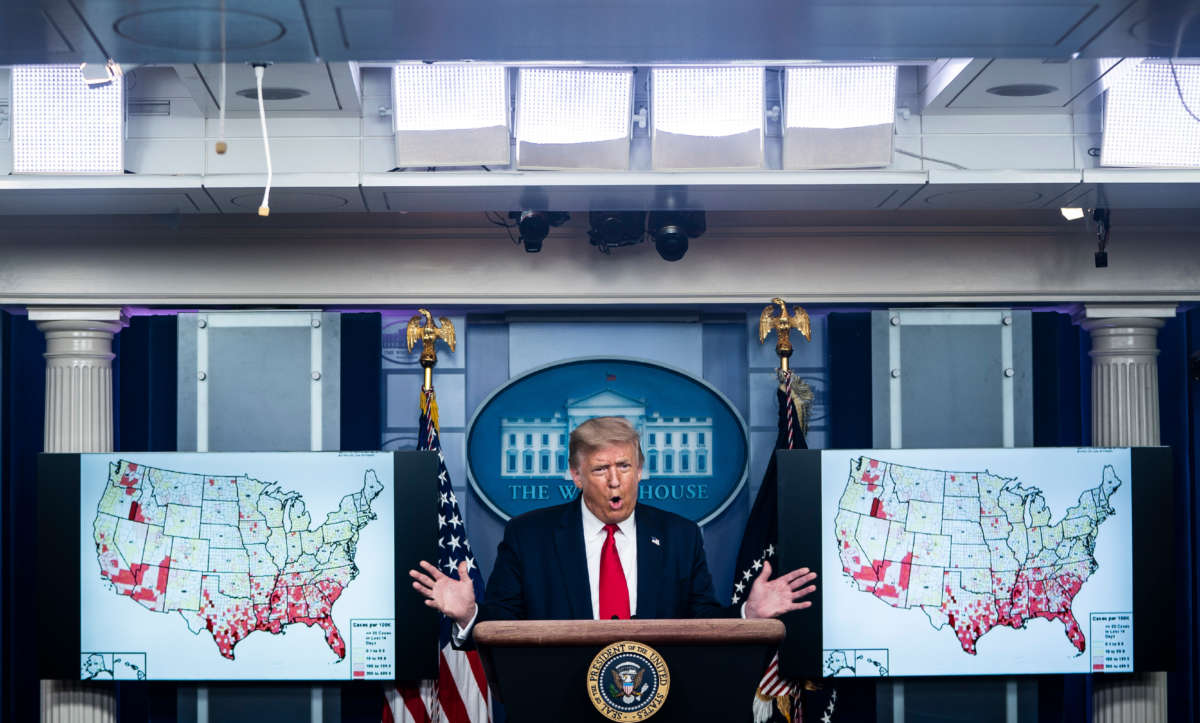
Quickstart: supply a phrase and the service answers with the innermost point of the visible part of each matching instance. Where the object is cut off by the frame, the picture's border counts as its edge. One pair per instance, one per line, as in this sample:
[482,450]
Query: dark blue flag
[777,699]
[460,693]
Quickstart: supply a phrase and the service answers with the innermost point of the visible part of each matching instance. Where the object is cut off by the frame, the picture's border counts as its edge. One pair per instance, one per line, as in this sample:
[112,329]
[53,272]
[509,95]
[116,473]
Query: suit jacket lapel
[649,562]
[572,560]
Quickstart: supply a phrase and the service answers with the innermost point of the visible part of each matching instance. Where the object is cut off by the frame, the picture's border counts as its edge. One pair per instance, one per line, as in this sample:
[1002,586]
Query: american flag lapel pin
[654,541]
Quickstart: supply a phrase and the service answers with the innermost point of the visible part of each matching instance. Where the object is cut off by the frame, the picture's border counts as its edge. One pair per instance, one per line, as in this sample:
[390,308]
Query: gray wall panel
[951,391]
[259,389]
[486,356]
[881,406]
[185,395]
[1022,331]
[259,383]
[331,381]
[950,386]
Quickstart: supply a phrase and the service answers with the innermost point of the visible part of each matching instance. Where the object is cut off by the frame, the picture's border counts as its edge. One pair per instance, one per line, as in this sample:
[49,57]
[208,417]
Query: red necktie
[614,592]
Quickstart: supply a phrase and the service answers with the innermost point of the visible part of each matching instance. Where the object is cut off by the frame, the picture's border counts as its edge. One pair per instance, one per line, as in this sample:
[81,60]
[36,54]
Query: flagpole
[458,693]
[777,699]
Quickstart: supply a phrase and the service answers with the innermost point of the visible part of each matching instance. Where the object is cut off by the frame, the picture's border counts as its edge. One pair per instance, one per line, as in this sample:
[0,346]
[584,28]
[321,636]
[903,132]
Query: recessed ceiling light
[1022,90]
[273,93]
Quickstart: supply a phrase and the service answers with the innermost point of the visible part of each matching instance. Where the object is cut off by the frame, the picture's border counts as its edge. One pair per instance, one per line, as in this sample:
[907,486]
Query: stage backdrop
[721,349]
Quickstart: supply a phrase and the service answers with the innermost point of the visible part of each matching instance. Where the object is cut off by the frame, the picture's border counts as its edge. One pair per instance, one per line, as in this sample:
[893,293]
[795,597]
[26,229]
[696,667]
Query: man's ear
[575,478]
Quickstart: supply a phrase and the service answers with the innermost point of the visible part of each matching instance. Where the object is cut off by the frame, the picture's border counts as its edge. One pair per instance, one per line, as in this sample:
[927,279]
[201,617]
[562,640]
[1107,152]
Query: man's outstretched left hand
[771,598]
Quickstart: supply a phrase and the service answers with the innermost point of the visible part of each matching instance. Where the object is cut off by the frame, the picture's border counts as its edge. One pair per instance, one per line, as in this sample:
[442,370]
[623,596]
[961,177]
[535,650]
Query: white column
[1125,414]
[79,418]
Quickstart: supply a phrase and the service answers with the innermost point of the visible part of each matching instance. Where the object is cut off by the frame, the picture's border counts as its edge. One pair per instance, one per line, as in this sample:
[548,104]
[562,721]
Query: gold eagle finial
[782,326]
[428,334]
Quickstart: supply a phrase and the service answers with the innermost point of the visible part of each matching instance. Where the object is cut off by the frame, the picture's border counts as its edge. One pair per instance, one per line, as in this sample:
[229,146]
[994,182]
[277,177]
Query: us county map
[971,550]
[230,555]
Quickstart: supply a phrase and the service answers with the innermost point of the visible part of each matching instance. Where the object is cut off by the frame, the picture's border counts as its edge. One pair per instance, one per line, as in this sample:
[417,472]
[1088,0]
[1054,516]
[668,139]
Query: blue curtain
[1179,403]
[361,429]
[23,410]
[361,380]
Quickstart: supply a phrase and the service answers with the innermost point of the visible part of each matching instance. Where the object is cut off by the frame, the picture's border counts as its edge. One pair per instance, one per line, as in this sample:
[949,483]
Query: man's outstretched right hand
[453,598]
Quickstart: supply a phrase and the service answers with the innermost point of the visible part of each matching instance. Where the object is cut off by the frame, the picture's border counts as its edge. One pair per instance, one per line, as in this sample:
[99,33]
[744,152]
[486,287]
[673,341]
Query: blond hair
[599,432]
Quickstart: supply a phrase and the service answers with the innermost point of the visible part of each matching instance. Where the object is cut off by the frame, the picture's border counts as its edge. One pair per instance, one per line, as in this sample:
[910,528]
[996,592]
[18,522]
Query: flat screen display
[978,561]
[236,566]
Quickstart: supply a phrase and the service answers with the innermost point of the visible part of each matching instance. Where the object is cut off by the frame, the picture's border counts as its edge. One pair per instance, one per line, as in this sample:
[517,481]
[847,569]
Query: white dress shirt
[593,543]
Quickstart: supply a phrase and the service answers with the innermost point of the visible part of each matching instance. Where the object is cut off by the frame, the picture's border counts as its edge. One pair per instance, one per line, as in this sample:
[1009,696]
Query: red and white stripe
[459,695]
[772,685]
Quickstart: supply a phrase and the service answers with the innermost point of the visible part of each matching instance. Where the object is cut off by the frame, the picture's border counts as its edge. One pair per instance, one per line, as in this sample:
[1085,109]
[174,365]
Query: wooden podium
[538,668]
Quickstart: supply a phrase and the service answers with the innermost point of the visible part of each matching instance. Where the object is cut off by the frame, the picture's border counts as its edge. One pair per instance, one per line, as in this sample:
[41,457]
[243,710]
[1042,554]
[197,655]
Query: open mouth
[615,502]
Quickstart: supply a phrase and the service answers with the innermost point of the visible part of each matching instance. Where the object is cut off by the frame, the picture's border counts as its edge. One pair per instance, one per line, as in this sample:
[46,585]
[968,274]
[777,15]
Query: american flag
[776,699]
[460,693]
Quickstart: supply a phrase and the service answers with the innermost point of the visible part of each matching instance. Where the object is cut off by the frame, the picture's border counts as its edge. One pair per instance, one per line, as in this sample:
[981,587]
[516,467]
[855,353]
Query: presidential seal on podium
[628,681]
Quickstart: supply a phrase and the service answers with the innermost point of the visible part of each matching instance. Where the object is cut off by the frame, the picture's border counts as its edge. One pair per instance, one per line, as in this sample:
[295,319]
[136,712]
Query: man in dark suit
[602,555]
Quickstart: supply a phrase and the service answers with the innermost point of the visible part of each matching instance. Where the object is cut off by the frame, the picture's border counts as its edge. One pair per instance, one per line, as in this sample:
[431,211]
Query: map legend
[372,649]
[1112,642]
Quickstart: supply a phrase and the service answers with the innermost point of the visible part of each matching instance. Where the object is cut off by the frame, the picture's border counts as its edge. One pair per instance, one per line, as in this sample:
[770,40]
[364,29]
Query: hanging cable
[265,208]
[221,145]
[1191,15]
[1184,22]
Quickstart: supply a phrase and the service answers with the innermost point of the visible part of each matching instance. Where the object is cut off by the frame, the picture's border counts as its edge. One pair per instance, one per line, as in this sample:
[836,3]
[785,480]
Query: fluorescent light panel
[708,102]
[447,96]
[573,106]
[60,125]
[840,96]
[1146,125]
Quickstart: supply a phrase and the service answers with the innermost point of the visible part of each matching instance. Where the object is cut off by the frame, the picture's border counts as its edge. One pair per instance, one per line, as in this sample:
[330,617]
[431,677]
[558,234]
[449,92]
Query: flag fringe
[763,707]
[429,407]
[800,394]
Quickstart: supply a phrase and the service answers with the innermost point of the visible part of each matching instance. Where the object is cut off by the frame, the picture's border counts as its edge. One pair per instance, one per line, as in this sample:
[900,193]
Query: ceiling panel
[289,200]
[1007,84]
[631,31]
[646,31]
[107,201]
[710,198]
[164,31]
[33,34]
[311,84]
[1018,86]
[967,197]
[1149,28]
[799,191]
[1138,195]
